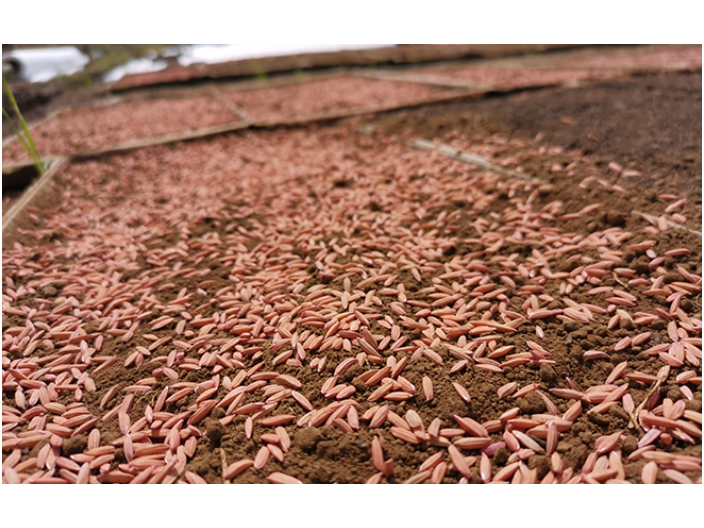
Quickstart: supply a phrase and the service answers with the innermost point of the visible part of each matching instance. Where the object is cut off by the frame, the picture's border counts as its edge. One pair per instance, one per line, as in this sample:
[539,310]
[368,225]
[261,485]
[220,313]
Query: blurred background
[81,97]
[41,74]
[110,62]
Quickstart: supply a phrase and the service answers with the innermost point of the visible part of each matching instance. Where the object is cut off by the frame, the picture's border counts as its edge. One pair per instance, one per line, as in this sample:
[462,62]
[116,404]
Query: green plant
[24,136]
[261,74]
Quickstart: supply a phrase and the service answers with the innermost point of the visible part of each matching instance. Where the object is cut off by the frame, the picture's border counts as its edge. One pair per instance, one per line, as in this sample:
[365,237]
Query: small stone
[359,385]
[671,277]
[616,411]
[641,265]
[531,404]
[49,291]
[575,457]
[629,445]
[674,393]
[547,373]
[308,438]
[628,255]
[694,405]
[571,326]
[599,419]
[659,324]
[73,445]
[626,324]
[541,463]
[501,456]
[214,431]
[614,218]
[352,373]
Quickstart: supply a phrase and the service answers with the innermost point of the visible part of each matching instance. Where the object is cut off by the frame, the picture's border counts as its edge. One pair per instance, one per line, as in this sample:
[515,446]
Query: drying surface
[327,96]
[9,198]
[80,129]
[267,305]
[650,125]
[561,67]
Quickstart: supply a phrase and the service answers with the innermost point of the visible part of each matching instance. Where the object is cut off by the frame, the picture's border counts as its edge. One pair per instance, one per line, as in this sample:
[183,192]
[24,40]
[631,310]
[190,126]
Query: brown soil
[650,123]
[664,144]
[9,198]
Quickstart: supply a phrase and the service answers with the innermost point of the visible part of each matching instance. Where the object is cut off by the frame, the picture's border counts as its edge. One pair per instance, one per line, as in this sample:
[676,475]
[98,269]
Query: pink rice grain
[281,478]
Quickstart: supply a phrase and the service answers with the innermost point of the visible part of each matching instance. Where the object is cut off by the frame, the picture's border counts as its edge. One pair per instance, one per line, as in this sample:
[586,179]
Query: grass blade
[261,74]
[27,141]
[22,141]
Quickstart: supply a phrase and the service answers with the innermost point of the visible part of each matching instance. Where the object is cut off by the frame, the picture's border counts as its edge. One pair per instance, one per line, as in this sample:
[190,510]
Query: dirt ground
[650,125]
[9,197]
